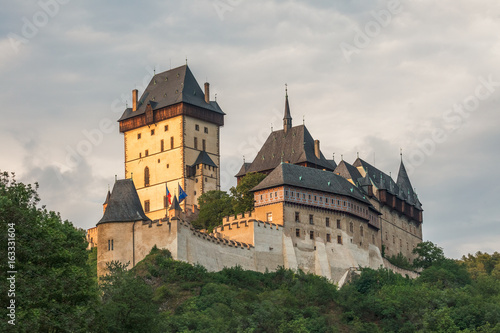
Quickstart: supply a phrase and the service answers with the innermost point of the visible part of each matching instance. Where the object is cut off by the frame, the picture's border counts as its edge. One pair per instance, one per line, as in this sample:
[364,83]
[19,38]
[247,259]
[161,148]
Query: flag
[169,196]
[182,194]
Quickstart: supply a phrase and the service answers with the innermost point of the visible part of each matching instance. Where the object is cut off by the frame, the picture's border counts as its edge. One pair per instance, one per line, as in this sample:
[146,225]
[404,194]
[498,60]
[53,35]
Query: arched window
[146,176]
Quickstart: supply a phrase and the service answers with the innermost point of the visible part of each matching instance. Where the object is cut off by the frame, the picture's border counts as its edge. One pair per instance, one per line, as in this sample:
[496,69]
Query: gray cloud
[80,67]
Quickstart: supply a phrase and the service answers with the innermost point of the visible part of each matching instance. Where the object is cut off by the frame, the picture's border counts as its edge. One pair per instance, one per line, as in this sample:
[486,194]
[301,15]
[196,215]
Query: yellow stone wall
[168,167]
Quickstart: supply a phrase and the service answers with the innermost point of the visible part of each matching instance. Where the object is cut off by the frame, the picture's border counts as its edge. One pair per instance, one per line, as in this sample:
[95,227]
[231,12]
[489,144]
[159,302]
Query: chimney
[207,92]
[134,100]
[316,149]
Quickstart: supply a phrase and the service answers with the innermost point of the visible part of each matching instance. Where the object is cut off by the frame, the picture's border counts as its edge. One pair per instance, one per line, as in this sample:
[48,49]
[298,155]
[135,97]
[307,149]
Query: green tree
[127,302]
[243,200]
[54,289]
[214,205]
[428,253]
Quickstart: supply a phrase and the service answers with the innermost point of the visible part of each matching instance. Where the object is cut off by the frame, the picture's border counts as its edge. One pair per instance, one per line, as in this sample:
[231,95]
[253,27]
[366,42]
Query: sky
[366,77]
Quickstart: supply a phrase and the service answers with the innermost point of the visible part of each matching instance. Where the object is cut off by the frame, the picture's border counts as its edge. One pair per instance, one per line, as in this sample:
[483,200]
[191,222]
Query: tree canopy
[54,289]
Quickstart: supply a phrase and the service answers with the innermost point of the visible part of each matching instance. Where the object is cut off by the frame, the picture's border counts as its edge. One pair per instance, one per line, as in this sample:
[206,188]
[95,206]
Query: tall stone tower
[171,137]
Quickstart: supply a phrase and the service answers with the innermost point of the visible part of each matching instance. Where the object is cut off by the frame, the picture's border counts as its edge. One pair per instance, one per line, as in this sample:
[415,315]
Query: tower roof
[107,198]
[172,87]
[296,146]
[287,109]
[124,204]
[175,204]
[404,184]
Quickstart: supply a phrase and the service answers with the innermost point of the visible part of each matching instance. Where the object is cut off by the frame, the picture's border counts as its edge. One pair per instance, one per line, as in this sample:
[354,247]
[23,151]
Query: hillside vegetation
[56,289]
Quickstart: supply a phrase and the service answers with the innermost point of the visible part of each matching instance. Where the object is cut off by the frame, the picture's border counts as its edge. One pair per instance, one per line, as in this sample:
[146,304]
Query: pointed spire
[287,119]
[175,204]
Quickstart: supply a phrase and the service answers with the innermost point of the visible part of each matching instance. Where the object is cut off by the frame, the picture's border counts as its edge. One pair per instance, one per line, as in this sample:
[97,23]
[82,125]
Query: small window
[327,221]
[303,196]
[204,144]
[328,238]
[152,132]
[320,199]
[286,193]
[168,165]
[166,128]
[361,231]
[311,234]
[171,142]
[146,206]
[146,153]
[261,197]
[271,195]
[269,217]
[326,200]
[206,129]
[373,239]
[351,227]
[146,176]
[195,143]
[338,224]
[311,219]
[162,145]
[138,136]
[197,127]
[297,232]
[309,197]
[314,198]
[339,239]
[297,217]
[275,194]
[140,155]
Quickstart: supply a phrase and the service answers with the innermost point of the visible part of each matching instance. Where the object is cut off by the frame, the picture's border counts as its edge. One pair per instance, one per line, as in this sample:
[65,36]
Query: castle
[310,213]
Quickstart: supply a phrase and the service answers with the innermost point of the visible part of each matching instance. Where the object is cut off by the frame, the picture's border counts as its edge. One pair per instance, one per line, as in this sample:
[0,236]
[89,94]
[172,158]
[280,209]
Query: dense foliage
[54,288]
[214,205]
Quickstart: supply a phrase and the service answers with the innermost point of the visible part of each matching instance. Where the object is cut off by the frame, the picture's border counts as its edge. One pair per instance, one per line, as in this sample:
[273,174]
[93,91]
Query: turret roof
[124,204]
[204,158]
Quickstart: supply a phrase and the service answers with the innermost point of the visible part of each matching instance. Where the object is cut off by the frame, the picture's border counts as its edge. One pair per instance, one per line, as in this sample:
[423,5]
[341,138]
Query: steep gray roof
[243,169]
[333,163]
[296,146]
[404,184]
[171,87]
[124,204]
[313,179]
[203,158]
[175,204]
[401,189]
[347,171]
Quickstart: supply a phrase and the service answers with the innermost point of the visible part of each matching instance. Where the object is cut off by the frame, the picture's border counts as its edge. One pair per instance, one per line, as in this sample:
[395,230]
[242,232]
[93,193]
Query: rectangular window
[314,198]
[152,132]
[327,221]
[269,217]
[339,239]
[171,142]
[140,155]
[206,129]
[328,238]
[311,234]
[138,136]
[271,195]
[286,193]
[146,153]
[146,206]
[297,232]
[162,145]
[197,127]
[195,143]
[338,224]
[109,244]
[297,217]
[166,128]
[204,144]
[311,219]
[112,245]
